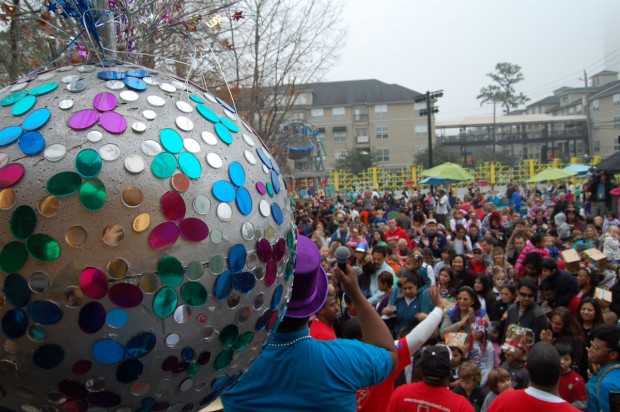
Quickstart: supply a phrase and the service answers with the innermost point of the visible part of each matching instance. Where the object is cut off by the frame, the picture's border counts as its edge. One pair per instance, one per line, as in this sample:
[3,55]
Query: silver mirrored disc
[178,85]
[167,87]
[156,101]
[18,86]
[191,145]
[47,76]
[151,147]
[94,136]
[149,114]
[114,84]
[150,81]
[224,213]
[247,230]
[264,208]
[202,204]
[4,159]
[86,69]
[230,115]
[138,127]
[184,106]
[76,87]
[214,160]
[65,104]
[210,97]
[216,235]
[70,79]
[248,139]
[172,340]
[55,152]
[266,169]
[129,95]
[184,123]
[109,152]
[134,164]
[249,156]
[209,138]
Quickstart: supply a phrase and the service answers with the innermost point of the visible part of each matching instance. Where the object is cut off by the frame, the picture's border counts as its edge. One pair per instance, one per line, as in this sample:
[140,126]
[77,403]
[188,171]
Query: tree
[440,155]
[356,161]
[278,46]
[506,75]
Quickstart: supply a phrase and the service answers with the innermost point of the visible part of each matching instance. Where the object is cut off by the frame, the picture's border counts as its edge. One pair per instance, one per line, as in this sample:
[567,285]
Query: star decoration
[238,15]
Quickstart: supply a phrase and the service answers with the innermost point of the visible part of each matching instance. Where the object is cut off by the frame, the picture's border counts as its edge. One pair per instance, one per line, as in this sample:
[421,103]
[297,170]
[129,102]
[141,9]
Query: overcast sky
[452,45]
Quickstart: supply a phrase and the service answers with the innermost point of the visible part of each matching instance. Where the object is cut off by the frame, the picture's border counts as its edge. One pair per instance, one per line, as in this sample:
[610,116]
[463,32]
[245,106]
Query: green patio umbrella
[448,170]
[551,173]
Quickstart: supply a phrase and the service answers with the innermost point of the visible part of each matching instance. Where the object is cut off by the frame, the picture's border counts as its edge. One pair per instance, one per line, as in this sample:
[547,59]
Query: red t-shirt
[572,387]
[397,234]
[519,400]
[376,398]
[322,331]
[422,397]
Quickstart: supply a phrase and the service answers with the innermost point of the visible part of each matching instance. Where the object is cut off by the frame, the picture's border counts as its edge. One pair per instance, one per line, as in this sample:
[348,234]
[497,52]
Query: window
[361,135]
[595,105]
[596,124]
[524,152]
[580,147]
[339,155]
[617,144]
[421,131]
[382,132]
[564,99]
[616,99]
[421,149]
[571,110]
[579,109]
[360,113]
[340,133]
[383,155]
[338,113]
[303,99]
[597,146]
[316,114]
[298,116]
[381,111]
[617,122]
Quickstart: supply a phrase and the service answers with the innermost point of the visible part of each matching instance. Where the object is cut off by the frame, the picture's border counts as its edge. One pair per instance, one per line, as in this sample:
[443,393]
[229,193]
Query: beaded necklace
[291,343]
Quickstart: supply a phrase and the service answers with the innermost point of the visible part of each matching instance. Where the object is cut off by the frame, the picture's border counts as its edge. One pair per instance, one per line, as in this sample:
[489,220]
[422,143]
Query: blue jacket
[598,395]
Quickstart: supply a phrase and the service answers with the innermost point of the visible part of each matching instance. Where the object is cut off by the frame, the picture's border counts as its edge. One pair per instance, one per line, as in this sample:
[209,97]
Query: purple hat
[309,281]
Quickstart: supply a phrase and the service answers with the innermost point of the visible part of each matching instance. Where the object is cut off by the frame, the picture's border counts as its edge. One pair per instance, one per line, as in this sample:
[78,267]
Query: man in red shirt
[394,233]
[376,398]
[543,364]
[322,327]
[432,394]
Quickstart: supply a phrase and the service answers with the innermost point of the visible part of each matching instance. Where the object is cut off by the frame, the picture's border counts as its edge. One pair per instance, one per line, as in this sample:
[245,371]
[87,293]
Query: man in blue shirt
[297,373]
[604,353]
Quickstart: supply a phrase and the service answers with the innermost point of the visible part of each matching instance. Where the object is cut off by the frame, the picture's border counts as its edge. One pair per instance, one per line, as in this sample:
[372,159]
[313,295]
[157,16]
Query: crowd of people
[466,288]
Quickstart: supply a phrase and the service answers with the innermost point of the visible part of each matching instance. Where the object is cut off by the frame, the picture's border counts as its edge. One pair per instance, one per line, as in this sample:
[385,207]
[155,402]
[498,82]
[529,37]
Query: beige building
[365,116]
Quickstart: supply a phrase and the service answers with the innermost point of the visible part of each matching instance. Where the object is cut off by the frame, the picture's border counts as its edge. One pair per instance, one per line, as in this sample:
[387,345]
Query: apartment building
[367,116]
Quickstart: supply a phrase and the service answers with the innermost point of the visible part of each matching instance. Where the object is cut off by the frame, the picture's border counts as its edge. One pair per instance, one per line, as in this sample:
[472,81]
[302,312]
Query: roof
[607,89]
[605,73]
[351,92]
[546,101]
[508,120]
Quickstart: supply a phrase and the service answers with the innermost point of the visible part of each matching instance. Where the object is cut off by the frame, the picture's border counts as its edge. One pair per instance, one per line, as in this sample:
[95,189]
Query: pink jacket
[529,248]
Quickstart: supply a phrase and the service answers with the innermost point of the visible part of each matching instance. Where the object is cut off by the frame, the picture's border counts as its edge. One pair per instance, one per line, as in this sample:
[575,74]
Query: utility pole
[430,98]
[589,142]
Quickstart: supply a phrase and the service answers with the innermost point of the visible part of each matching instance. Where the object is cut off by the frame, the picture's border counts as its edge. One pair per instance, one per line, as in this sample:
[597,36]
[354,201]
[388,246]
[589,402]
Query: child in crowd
[481,351]
[572,387]
[610,220]
[469,385]
[611,244]
[515,347]
[457,359]
[499,280]
[499,381]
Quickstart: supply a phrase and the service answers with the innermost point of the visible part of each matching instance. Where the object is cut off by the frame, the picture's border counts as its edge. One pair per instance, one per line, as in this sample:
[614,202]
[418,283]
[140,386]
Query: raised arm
[420,334]
[374,330]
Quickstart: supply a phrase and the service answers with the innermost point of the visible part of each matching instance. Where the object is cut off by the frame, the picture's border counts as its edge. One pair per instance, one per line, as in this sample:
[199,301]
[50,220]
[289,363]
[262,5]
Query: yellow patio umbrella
[551,173]
[449,171]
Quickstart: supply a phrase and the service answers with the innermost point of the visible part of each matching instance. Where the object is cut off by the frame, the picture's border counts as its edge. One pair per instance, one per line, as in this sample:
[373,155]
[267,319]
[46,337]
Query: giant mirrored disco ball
[147,242]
